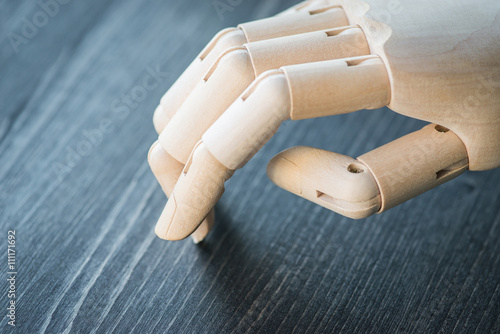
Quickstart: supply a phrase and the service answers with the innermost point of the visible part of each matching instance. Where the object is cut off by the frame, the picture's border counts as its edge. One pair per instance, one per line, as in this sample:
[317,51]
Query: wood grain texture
[89,260]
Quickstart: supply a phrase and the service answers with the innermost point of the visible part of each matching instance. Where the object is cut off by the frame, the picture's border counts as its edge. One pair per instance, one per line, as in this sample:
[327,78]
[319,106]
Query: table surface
[76,187]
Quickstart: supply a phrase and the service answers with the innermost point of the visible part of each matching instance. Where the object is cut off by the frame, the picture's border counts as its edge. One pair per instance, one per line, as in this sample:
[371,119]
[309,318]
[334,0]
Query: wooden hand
[326,58]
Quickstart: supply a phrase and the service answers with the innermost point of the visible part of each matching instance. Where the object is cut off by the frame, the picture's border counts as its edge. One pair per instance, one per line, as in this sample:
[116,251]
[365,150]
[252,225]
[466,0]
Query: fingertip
[335,181]
[150,152]
[163,225]
[206,226]
[196,192]
[171,225]
[165,168]
[181,218]
[284,172]
[160,119]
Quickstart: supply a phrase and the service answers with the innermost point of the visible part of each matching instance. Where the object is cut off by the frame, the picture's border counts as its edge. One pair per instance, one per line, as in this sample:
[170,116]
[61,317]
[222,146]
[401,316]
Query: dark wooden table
[76,187]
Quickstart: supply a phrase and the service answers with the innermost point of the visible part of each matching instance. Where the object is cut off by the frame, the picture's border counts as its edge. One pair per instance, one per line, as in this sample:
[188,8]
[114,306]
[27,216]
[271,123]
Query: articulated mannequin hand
[435,61]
